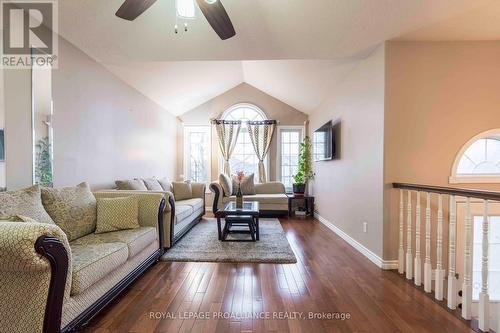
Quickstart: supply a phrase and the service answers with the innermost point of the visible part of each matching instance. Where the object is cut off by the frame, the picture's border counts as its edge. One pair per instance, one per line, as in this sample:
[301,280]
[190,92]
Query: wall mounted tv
[326,142]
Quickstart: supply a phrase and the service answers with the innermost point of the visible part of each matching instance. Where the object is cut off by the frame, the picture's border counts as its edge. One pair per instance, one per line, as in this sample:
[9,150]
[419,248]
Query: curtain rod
[253,122]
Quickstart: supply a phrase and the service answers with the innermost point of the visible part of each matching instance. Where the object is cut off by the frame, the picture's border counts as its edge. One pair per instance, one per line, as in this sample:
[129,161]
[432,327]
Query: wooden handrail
[463,192]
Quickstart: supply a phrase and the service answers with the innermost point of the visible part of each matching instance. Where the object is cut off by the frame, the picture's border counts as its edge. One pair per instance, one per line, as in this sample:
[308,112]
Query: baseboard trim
[384,264]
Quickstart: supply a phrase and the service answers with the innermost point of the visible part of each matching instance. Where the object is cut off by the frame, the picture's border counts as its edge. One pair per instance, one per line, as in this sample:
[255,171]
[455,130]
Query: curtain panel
[261,135]
[227,133]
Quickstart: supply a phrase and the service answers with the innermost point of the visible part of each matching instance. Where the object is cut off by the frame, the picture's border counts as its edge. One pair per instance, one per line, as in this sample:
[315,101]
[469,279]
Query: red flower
[240,175]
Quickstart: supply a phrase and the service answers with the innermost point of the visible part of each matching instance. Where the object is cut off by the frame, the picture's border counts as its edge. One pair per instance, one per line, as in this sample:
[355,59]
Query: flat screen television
[325,142]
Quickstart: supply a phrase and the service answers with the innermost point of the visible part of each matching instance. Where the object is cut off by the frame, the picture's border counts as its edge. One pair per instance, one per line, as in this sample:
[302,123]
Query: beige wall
[438,96]
[18,137]
[349,191]
[243,93]
[103,128]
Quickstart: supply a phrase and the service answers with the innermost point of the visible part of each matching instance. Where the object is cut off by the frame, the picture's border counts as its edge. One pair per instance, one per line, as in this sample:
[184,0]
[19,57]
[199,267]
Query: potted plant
[305,172]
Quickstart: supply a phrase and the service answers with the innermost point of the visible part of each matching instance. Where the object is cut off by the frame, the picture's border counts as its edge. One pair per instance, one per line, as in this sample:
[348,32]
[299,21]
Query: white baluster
[484,298]
[409,259]
[467,287]
[452,280]
[439,253]
[427,263]
[418,261]
[401,252]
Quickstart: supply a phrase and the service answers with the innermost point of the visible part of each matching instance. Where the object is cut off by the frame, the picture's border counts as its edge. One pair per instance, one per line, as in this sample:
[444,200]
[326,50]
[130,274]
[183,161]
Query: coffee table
[247,216]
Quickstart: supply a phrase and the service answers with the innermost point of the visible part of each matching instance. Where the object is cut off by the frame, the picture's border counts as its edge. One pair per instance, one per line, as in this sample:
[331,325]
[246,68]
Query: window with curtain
[244,157]
[289,139]
[197,153]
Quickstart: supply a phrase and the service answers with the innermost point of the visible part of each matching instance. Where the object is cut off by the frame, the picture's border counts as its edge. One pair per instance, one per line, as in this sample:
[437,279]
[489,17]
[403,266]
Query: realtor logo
[29,33]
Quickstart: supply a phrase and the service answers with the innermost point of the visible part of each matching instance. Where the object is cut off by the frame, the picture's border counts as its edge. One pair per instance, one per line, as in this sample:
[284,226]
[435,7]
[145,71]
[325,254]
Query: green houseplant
[43,165]
[305,171]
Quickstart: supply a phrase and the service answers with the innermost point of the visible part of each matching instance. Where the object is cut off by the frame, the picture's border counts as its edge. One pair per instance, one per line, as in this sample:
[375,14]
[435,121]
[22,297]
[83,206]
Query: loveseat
[51,282]
[183,209]
[271,196]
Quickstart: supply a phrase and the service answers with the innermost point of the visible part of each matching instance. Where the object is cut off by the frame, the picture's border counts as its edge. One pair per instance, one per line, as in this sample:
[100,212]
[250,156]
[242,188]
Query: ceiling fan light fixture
[185,9]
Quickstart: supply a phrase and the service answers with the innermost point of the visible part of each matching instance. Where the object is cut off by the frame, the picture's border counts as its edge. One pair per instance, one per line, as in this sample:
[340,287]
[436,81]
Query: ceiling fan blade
[216,15]
[131,9]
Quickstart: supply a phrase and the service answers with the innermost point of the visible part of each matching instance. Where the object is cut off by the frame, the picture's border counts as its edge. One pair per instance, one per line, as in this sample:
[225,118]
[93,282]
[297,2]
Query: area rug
[200,244]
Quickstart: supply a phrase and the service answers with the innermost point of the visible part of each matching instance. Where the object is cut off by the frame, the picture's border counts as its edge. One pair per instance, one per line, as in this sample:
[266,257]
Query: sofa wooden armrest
[35,270]
[216,188]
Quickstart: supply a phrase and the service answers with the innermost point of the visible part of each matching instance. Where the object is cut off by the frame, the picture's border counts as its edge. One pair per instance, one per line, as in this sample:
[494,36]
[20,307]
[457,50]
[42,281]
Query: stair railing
[410,260]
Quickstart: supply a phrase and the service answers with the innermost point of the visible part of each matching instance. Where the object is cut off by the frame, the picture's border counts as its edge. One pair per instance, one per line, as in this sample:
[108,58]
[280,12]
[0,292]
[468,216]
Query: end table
[306,199]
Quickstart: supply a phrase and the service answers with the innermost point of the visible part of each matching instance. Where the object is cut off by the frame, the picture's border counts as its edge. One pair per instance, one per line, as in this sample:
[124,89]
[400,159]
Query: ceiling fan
[213,10]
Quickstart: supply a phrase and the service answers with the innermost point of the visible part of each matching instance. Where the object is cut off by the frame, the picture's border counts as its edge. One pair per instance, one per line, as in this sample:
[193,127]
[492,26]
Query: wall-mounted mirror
[41,113]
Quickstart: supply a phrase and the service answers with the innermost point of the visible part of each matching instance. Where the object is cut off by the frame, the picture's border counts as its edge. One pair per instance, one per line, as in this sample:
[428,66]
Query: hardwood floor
[329,277]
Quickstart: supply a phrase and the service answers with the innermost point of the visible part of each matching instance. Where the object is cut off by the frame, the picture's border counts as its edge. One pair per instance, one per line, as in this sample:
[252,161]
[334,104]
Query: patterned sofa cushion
[226,183]
[165,184]
[131,184]
[26,202]
[92,262]
[195,203]
[263,198]
[182,190]
[182,211]
[135,239]
[73,209]
[115,214]
[152,184]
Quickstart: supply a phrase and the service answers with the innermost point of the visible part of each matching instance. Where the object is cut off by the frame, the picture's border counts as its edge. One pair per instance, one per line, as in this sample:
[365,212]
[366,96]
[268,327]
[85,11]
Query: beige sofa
[49,284]
[271,197]
[179,215]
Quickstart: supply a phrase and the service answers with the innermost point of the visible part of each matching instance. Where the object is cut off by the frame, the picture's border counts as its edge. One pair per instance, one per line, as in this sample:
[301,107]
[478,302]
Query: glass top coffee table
[243,220]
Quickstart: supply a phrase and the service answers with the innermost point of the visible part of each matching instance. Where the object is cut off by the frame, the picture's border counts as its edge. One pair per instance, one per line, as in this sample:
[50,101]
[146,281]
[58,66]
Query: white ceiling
[294,50]
[182,85]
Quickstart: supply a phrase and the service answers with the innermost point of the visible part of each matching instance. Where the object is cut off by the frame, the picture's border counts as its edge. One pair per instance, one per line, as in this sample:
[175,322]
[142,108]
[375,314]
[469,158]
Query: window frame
[473,179]
[264,117]
[278,150]
[186,131]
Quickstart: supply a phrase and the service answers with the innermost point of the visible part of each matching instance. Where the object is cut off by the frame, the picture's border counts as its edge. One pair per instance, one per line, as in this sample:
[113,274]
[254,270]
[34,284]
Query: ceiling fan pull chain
[185,26]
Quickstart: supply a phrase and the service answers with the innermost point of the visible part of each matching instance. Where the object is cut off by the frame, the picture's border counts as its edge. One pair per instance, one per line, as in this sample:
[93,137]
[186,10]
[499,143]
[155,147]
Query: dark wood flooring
[330,277]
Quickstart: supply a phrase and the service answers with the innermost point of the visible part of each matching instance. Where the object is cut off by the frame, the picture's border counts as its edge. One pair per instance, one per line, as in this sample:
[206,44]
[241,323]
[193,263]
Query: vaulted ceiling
[292,50]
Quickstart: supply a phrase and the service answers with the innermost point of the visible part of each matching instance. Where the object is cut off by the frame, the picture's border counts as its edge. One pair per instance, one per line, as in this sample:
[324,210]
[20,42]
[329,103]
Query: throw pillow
[26,202]
[17,218]
[152,184]
[115,214]
[131,185]
[165,184]
[182,190]
[247,185]
[73,209]
[226,183]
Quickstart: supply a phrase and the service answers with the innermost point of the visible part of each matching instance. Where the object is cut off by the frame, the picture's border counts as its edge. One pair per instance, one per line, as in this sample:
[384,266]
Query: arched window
[479,160]
[244,157]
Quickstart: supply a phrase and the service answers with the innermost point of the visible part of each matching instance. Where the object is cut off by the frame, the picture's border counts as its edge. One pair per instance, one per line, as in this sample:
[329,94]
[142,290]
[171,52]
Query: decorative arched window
[479,160]
[243,157]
